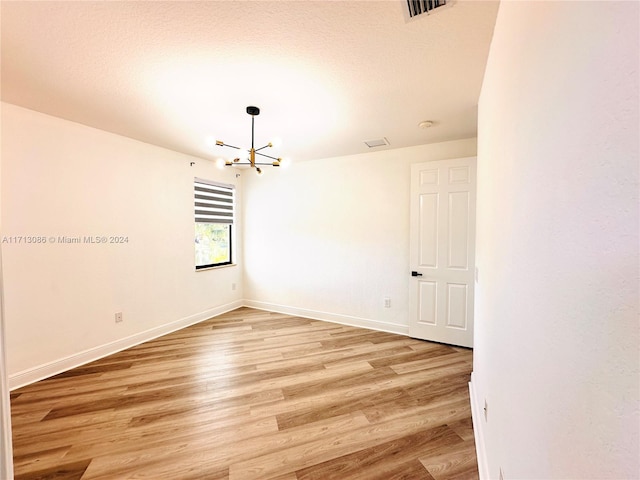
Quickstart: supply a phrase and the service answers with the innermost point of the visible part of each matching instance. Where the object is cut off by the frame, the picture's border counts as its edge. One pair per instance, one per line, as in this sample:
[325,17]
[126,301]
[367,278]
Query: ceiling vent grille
[379,142]
[418,7]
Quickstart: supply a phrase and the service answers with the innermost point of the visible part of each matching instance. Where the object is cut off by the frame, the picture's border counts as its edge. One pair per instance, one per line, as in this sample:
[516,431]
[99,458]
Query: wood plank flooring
[254,395]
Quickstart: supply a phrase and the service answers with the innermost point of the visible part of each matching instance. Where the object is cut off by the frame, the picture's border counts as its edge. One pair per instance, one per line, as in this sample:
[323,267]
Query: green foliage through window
[213,244]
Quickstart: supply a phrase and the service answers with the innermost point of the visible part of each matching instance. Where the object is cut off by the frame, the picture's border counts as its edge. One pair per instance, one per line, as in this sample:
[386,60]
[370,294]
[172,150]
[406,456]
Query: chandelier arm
[230,146]
[268,156]
[262,148]
[248,163]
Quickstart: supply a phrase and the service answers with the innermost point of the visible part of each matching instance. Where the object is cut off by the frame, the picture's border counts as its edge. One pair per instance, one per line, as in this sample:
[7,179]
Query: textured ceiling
[326,75]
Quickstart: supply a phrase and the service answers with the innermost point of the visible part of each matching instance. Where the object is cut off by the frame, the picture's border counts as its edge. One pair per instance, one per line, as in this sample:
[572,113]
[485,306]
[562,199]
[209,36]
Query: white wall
[64,179]
[557,333]
[330,238]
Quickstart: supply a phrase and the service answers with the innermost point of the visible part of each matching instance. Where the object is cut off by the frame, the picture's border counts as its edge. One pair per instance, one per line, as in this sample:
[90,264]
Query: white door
[442,236]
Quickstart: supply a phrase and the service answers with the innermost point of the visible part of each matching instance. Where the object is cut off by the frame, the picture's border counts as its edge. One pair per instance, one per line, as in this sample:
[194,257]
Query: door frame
[6,450]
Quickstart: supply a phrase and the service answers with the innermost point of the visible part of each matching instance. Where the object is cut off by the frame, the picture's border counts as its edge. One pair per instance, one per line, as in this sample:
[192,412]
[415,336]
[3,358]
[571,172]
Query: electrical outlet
[387,302]
[118,317]
[486,409]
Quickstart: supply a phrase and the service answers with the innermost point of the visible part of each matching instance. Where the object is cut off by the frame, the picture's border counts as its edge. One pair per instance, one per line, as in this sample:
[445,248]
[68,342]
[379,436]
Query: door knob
[416,274]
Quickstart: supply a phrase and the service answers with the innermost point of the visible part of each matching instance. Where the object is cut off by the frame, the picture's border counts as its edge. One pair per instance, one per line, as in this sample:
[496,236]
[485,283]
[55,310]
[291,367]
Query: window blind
[213,202]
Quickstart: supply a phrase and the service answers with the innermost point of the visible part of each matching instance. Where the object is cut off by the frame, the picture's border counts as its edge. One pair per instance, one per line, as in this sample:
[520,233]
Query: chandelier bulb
[275,142]
[285,162]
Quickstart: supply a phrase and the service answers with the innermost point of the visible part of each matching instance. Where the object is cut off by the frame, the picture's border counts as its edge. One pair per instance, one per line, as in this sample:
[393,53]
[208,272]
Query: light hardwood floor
[254,394]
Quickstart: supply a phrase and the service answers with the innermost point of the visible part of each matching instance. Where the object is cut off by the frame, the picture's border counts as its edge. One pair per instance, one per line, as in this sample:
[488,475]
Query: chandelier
[242,158]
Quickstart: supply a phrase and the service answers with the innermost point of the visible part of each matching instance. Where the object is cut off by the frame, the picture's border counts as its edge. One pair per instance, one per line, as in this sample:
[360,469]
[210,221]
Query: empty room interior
[320,239]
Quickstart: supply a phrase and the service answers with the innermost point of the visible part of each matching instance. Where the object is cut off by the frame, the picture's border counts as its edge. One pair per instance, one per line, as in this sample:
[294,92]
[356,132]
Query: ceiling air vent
[418,7]
[377,143]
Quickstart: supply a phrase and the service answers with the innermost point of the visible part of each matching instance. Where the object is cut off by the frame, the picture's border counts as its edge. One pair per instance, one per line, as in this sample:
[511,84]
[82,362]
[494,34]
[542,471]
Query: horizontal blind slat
[209,213]
[212,205]
[220,220]
[208,189]
[220,198]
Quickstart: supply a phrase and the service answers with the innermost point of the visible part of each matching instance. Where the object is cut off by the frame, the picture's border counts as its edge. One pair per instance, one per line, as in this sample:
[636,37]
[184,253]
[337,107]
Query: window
[214,216]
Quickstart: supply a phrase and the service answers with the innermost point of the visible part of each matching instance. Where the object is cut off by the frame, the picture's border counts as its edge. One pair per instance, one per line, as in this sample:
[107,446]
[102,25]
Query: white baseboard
[330,317]
[478,432]
[40,372]
[50,369]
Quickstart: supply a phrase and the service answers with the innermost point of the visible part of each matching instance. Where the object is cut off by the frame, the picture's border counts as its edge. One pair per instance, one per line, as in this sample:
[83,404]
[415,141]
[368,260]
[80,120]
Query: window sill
[216,267]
